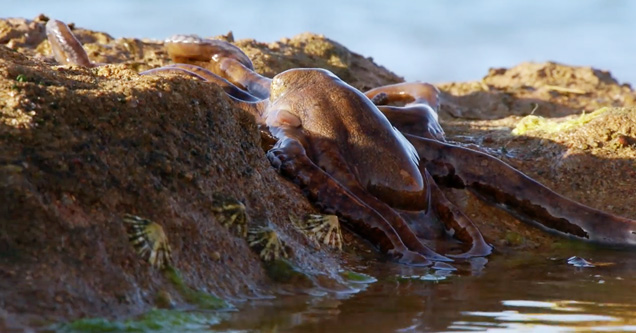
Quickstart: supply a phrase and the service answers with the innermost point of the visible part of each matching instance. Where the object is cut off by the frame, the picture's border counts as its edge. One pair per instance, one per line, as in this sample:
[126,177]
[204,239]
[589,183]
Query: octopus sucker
[320,228]
[149,240]
[370,157]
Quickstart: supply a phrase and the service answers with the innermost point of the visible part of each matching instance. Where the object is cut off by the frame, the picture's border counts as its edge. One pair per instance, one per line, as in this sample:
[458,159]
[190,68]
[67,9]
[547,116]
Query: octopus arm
[464,229]
[288,156]
[523,197]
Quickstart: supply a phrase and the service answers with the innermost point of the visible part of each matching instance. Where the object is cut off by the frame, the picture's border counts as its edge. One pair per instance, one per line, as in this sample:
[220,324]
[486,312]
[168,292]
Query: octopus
[376,159]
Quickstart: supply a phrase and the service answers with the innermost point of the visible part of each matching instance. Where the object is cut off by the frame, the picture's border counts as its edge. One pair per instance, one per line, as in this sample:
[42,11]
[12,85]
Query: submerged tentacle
[67,50]
[463,228]
[289,157]
[525,198]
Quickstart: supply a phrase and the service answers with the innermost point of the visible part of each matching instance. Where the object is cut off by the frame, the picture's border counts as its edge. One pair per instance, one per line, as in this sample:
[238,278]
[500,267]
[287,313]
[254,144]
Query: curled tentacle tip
[439,258]
[442,266]
[411,259]
[482,250]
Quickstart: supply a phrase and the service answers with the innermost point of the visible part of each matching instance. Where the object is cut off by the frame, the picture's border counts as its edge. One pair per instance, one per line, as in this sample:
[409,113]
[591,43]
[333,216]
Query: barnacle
[230,213]
[149,239]
[266,241]
[320,228]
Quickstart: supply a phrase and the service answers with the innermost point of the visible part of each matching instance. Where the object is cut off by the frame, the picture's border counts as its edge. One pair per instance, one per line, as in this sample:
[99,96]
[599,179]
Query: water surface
[515,292]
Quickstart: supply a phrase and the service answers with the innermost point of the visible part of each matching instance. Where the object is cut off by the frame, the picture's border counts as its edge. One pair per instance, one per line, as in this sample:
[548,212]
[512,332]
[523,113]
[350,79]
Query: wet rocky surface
[81,147]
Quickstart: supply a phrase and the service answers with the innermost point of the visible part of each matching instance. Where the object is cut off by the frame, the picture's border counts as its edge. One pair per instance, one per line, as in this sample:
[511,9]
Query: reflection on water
[510,293]
[536,314]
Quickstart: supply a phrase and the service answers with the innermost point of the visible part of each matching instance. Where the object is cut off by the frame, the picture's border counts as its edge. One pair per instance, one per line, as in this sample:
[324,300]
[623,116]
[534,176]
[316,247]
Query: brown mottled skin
[341,147]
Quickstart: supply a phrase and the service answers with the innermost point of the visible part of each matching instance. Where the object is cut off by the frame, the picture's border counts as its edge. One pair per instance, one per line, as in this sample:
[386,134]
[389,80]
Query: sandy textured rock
[81,147]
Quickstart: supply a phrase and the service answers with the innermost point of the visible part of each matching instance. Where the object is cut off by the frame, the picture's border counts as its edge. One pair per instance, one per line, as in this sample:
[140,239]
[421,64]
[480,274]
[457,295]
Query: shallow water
[512,292]
[515,292]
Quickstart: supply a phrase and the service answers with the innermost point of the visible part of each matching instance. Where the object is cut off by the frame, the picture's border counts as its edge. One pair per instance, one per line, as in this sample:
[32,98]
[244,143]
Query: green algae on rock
[154,320]
[535,123]
[200,299]
[355,277]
